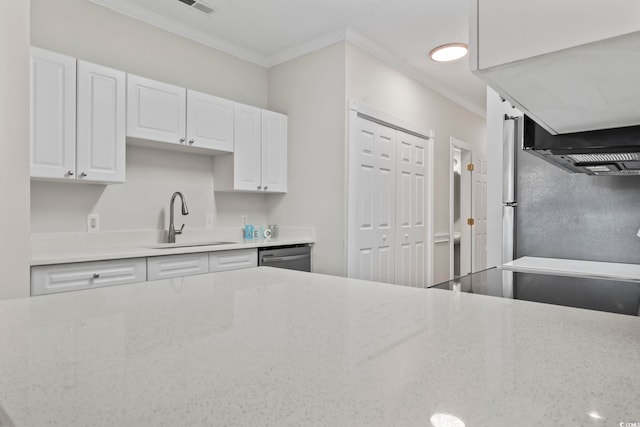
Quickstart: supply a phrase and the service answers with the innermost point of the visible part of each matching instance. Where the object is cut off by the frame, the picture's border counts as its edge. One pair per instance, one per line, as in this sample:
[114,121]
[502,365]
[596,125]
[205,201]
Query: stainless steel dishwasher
[292,257]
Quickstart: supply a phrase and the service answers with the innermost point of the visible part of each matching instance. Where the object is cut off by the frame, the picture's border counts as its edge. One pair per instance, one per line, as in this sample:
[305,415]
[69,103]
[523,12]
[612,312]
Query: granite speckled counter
[264,346]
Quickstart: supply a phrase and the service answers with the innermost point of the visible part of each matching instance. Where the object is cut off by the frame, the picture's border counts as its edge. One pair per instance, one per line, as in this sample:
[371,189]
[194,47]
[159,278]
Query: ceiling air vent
[198,5]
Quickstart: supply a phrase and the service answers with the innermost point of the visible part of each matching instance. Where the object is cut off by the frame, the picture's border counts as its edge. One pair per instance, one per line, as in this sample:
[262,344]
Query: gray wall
[576,216]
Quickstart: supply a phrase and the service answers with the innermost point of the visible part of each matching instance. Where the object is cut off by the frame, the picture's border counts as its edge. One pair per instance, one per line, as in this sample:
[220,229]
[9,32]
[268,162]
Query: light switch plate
[93,223]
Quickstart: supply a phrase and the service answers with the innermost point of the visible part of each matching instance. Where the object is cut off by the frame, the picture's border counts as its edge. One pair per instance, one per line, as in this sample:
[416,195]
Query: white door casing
[411,245]
[466,210]
[101,141]
[53,115]
[479,213]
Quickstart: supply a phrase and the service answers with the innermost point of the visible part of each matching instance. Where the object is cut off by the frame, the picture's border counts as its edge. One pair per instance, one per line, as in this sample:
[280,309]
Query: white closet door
[53,115]
[411,232]
[372,202]
[479,229]
[101,123]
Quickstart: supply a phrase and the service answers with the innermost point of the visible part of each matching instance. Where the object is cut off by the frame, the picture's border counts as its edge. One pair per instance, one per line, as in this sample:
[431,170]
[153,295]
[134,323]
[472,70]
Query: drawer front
[233,260]
[49,279]
[164,267]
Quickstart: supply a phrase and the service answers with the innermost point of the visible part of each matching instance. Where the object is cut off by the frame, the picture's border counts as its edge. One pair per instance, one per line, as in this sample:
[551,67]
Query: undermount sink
[186,245]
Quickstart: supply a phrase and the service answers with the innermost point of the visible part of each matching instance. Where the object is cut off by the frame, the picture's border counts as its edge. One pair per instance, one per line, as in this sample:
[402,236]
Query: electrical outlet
[93,223]
[244,219]
[209,221]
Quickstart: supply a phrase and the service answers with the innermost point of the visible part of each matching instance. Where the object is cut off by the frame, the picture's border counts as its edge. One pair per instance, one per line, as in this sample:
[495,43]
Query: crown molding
[307,47]
[346,34]
[175,27]
[393,61]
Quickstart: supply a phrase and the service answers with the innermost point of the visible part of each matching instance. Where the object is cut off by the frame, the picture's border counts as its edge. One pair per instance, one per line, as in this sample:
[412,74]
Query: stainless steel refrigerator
[512,142]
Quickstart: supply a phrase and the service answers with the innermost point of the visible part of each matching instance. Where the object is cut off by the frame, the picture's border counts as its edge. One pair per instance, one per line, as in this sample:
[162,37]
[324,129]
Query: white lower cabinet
[48,279]
[233,260]
[167,266]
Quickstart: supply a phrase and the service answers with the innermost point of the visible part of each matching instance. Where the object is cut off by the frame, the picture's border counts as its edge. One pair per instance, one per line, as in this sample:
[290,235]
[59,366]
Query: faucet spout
[185,211]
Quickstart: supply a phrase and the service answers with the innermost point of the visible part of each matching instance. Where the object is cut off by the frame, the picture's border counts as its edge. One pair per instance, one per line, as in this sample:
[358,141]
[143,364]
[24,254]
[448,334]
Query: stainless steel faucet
[185,211]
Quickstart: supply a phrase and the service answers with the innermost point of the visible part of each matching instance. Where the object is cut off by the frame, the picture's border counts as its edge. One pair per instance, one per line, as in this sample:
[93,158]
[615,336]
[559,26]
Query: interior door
[372,202]
[479,229]
[411,246]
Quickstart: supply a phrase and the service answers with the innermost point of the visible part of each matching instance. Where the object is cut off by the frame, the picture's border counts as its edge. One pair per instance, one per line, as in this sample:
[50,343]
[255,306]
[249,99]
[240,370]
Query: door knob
[70,173]
[191,141]
[384,237]
[96,276]
[406,236]
[83,174]
[181,140]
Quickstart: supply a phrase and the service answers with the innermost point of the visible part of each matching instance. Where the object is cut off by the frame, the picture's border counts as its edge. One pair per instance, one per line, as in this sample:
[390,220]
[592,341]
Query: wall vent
[199,5]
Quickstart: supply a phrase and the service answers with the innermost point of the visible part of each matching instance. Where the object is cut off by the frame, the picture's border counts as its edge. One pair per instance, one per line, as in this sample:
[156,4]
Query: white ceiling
[268,32]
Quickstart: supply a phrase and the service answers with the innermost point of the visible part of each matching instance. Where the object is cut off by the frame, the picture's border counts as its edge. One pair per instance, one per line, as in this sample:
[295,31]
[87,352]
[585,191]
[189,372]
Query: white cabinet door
[247,151]
[372,202]
[274,152]
[156,111]
[49,279]
[209,121]
[164,267]
[479,214]
[101,118]
[411,232]
[233,260]
[53,115]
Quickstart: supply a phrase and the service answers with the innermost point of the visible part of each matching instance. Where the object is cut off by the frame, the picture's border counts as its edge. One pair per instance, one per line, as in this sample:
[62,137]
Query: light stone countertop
[574,267]
[61,248]
[274,347]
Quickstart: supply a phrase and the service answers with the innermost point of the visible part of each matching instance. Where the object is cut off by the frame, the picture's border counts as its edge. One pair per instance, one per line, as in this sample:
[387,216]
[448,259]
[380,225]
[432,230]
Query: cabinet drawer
[233,260]
[48,279]
[164,267]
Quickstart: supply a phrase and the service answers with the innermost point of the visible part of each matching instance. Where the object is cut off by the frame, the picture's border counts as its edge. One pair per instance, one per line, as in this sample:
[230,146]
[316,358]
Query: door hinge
[471,222]
[470,167]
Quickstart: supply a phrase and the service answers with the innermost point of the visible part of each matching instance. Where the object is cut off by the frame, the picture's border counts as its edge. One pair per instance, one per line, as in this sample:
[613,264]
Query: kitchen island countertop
[264,346]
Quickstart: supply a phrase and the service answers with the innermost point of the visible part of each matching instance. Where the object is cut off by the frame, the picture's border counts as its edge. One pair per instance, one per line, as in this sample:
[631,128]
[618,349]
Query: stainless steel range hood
[601,152]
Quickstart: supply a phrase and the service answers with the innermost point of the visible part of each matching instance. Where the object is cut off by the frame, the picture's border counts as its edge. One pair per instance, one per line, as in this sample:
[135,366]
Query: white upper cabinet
[259,161]
[156,111]
[274,151]
[570,65]
[77,120]
[247,153]
[182,118]
[53,115]
[101,118]
[209,121]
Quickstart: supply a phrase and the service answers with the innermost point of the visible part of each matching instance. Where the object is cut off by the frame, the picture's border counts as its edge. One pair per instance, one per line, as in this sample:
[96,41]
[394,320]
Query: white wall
[311,90]
[14,150]
[85,30]
[383,87]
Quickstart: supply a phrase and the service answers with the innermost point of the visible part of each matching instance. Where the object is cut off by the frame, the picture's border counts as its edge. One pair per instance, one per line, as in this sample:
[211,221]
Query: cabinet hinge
[470,167]
[471,221]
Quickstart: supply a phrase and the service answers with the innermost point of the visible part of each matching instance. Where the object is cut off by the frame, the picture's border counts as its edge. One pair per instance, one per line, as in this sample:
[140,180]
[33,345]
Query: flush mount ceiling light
[448,52]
